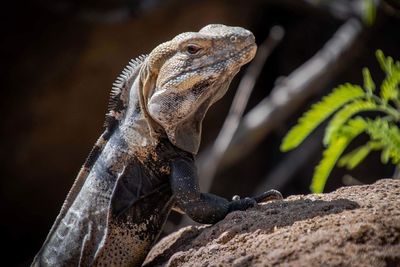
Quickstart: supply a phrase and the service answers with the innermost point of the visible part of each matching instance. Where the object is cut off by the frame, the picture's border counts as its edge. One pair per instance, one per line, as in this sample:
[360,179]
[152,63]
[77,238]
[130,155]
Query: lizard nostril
[233,39]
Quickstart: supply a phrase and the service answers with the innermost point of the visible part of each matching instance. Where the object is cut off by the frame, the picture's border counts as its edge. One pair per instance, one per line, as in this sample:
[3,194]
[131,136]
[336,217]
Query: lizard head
[193,71]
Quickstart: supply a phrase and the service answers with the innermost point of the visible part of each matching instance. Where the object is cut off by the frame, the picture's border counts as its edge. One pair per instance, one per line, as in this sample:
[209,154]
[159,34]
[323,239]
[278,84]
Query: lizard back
[116,106]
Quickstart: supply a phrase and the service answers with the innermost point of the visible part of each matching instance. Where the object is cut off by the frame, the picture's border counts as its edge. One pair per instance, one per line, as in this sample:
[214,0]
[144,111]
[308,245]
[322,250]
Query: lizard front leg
[204,207]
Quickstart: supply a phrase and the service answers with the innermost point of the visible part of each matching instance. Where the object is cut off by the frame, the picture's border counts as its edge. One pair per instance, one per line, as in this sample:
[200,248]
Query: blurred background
[60,57]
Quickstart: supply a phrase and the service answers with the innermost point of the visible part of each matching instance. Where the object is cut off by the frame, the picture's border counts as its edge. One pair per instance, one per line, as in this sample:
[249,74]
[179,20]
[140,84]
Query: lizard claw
[235,197]
[268,195]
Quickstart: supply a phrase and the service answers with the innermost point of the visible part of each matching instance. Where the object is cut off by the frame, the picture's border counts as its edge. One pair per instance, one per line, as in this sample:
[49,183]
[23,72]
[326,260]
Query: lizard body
[143,163]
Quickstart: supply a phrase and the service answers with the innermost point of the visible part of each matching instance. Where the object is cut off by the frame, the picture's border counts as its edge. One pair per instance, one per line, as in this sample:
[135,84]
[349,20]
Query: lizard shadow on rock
[285,213]
[265,217]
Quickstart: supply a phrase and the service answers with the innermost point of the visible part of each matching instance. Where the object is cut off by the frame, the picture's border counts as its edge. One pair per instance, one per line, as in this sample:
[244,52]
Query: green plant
[368,12]
[343,104]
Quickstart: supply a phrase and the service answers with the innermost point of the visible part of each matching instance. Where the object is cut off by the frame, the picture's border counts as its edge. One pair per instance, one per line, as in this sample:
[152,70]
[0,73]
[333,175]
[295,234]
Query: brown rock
[353,226]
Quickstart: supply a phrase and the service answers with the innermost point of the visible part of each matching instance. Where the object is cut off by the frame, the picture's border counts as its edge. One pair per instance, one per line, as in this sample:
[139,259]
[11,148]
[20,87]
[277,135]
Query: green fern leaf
[388,134]
[386,63]
[343,115]
[325,166]
[390,87]
[354,158]
[385,155]
[319,112]
[369,84]
[353,128]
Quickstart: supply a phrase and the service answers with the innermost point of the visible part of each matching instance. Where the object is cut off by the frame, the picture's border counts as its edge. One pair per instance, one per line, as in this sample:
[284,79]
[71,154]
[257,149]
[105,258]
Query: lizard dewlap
[142,166]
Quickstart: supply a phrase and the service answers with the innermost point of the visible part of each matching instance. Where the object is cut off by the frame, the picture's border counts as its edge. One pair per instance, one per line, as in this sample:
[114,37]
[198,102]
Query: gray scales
[142,166]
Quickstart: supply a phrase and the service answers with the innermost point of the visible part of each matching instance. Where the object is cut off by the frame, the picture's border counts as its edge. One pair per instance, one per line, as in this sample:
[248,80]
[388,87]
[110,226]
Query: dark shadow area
[286,213]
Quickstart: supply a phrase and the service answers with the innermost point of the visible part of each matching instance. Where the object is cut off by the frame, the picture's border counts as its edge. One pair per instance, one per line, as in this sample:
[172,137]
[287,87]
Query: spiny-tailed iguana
[142,165]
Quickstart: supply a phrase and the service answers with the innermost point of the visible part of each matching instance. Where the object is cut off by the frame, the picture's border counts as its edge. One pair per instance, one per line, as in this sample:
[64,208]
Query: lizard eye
[193,49]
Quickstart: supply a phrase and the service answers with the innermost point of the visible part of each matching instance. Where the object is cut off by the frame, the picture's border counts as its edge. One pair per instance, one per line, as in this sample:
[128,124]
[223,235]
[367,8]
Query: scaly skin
[143,165]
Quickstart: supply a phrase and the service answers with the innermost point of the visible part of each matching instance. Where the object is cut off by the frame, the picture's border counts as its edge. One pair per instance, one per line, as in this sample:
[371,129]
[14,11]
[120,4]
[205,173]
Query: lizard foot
[241,204]
[264,197]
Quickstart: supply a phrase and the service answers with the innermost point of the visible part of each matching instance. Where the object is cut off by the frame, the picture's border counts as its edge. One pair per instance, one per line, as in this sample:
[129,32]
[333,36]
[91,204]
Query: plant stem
[396,174]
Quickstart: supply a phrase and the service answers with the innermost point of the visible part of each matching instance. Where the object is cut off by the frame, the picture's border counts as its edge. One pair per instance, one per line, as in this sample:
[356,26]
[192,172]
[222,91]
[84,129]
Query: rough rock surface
[353,226]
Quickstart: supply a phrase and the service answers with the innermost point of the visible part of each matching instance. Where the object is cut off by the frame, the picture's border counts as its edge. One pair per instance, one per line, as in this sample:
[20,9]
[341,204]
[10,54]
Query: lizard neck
[137,128]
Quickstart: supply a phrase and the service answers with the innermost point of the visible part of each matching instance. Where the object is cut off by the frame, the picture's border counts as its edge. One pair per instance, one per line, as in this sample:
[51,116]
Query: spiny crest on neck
[116,106]
[120,92]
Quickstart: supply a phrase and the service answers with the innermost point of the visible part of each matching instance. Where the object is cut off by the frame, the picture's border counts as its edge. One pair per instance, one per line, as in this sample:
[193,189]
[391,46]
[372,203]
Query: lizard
[142,166]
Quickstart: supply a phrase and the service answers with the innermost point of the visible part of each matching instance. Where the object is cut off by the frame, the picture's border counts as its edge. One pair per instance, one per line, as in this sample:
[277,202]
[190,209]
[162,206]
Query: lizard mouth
[245,55]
